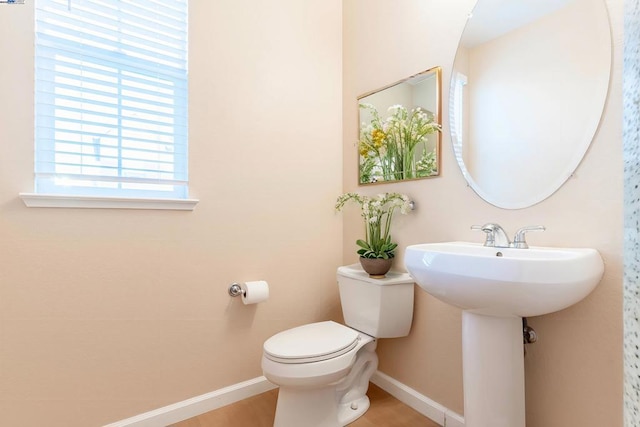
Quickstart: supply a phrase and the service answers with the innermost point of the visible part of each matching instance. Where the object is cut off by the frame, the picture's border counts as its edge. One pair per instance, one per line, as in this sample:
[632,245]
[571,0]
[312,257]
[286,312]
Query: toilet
[323,369]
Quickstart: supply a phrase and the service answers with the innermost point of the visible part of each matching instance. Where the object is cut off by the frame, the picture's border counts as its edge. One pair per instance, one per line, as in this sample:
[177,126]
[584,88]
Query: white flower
[377,212]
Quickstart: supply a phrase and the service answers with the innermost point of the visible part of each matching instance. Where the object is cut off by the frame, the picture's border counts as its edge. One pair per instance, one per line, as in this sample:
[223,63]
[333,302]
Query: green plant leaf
[364,244]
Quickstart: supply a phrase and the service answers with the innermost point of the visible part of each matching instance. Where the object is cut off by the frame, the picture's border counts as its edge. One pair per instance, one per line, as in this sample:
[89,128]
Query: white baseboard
[421,403]
[197,405]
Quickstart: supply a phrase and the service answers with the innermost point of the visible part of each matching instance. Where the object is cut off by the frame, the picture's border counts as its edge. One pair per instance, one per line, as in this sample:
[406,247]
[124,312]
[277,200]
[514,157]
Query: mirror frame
[437,119]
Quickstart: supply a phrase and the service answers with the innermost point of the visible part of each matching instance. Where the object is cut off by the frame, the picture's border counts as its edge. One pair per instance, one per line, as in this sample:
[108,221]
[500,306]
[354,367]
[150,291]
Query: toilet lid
[311,343]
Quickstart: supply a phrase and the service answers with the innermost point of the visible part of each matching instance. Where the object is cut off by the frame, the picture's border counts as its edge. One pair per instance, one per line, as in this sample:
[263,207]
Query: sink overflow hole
[498,253]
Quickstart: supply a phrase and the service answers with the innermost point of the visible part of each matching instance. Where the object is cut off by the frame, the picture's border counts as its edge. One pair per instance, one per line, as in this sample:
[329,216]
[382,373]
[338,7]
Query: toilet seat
[311,343]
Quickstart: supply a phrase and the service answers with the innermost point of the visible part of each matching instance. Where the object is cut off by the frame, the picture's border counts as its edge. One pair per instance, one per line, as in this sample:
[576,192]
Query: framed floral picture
[399,132]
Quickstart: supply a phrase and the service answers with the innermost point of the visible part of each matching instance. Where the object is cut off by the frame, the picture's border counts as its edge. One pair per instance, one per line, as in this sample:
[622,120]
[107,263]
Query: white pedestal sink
[496,287]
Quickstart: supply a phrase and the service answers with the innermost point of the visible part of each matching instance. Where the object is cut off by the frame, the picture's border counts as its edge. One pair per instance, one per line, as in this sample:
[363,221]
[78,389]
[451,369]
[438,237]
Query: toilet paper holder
[236,290]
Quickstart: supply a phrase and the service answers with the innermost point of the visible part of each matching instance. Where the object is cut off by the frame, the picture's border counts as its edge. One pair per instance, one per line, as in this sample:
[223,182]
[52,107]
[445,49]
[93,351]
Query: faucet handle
[491,236]
[519,240]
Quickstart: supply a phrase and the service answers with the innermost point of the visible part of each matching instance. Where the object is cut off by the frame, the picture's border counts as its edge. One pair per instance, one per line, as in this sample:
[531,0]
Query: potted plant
[376,250]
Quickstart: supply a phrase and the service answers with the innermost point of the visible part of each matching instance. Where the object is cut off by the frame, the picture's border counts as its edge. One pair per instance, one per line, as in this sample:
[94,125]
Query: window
[111,98]
[457,110]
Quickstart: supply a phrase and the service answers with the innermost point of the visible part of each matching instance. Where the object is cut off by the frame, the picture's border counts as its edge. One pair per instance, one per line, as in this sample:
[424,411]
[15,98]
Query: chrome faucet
[497,237]
[519,240]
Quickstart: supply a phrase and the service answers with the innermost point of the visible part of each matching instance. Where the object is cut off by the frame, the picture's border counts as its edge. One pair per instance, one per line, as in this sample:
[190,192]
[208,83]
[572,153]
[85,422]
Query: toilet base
[333,405]
[316,408]
[349,412]
[313,407]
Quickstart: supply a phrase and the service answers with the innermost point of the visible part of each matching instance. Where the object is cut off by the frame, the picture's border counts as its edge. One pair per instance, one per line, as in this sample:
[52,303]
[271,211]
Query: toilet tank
[382,308]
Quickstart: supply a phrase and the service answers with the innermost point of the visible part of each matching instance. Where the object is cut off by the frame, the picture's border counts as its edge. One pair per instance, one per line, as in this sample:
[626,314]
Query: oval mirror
[528,88]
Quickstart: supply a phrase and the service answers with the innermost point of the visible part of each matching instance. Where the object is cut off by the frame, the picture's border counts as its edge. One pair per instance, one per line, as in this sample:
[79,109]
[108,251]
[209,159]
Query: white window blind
[457,113]
[111,98]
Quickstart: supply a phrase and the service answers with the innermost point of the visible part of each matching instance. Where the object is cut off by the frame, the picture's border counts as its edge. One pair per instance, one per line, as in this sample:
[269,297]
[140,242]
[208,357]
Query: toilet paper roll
[255,292]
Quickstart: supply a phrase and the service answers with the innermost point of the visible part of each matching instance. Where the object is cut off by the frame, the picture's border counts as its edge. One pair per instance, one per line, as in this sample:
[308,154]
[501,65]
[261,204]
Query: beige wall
[105,314]
[574,373]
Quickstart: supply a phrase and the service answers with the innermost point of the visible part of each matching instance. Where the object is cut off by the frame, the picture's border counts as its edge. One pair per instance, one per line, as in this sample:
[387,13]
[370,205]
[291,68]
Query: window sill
[33,200]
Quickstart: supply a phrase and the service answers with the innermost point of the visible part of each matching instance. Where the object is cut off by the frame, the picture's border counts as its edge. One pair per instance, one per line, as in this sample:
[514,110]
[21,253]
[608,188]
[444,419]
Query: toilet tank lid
[355,271]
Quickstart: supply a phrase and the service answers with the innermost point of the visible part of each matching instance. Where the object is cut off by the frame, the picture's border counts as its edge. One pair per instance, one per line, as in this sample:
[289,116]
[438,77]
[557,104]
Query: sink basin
[504,281]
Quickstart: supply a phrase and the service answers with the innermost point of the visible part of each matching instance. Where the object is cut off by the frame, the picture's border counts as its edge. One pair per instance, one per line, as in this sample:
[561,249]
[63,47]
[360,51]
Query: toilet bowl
[319,382]
[323,369]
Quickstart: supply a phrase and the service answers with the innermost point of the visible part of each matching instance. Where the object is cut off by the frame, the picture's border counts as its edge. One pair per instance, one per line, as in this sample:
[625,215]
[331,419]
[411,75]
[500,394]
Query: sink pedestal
[493,371]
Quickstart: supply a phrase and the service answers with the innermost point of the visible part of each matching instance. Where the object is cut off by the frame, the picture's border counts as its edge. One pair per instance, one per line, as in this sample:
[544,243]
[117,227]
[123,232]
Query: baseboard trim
[421,403]
[198,405]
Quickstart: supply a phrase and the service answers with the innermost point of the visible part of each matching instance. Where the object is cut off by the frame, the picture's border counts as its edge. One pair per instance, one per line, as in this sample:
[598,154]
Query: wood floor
[259,411]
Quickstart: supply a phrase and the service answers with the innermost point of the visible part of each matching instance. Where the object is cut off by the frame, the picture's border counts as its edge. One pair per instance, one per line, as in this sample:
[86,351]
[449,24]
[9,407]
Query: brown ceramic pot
[376,267]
